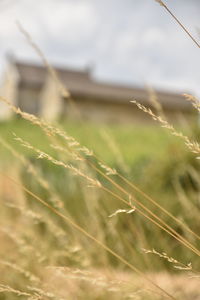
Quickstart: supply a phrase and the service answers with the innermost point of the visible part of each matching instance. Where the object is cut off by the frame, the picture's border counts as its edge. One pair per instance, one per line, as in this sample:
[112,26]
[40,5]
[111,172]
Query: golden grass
[44,267]
[179,23]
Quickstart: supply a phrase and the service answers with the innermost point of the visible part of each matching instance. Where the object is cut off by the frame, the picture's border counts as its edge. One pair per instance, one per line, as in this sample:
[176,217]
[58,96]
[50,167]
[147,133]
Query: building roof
[81,83]
[35,75]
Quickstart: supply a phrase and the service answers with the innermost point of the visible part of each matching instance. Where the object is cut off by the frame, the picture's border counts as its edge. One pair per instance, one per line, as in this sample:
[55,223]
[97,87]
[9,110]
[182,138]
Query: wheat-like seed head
[160,2]
[177,264]
[7,288]
[119,211]
[44,155]
[193,146]
[195,102]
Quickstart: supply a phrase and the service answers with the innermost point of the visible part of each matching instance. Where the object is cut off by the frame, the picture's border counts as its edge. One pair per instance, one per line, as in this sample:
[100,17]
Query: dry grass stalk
[43,155]
[177,265]
[109,171]
[160,2]
[192,146]
[153,99]
[119,211]
[74,155]
[31,277]
[98,279]
[21,243]
[9,289]
[36,218]
[44,294]
[27,164]
[48,129]
[64,92]
[195,102]
[180,24]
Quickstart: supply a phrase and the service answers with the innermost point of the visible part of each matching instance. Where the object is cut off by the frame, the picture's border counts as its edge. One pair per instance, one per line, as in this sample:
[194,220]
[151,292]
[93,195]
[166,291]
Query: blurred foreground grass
[148,156]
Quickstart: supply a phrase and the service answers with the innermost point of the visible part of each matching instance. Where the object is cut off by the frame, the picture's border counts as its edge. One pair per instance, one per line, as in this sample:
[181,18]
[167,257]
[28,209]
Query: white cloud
[131,41]
[69,20]
[153,36]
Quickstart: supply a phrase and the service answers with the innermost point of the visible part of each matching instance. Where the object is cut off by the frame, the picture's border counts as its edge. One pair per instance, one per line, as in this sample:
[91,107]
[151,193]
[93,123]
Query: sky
[132,42]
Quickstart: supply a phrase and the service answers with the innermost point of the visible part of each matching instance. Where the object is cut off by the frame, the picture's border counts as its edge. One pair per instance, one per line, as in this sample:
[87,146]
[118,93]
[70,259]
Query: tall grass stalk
[179,22]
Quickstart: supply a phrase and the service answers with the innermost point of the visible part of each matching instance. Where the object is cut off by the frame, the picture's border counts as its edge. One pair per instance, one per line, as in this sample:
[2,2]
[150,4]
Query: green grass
[134,142]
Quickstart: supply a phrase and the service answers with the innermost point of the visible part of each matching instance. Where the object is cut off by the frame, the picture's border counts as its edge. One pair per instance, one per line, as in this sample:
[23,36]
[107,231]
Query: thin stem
[179,22]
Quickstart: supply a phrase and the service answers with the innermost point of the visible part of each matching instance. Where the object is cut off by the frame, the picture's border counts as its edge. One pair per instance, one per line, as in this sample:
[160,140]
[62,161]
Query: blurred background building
[130,44]
[32,88]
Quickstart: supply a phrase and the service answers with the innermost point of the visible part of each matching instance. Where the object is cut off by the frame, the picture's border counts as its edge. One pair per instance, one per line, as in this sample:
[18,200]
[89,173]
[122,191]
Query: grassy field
[148,156]
[134,142]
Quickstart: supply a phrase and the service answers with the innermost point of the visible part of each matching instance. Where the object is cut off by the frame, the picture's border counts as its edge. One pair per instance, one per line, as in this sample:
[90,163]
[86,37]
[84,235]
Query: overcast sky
[127,41]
